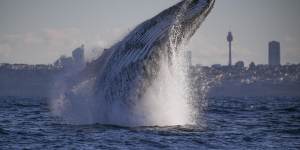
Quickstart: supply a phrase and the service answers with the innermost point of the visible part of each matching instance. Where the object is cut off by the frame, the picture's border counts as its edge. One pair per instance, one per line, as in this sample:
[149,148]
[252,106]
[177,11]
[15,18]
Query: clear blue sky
[35,31]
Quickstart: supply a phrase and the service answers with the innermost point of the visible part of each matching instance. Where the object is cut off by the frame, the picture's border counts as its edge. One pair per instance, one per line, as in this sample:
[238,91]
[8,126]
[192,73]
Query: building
[216,66]
[75,62]
[252,66]
[188,58]
[65,62]
[78,56]
[229,40]
[274,53]
[239,64]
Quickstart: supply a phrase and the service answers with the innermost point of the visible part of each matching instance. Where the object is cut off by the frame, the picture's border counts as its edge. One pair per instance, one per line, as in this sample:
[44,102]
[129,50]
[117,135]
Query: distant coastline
[241,81]
[24,80]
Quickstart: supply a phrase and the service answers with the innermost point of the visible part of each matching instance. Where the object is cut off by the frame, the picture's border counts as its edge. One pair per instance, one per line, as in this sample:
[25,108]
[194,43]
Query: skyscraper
[188,57]
[230,39]
[78,56]
[274,53]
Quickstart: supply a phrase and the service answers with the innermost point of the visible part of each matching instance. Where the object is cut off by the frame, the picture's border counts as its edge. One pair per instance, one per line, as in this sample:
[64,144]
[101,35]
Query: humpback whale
[113,86]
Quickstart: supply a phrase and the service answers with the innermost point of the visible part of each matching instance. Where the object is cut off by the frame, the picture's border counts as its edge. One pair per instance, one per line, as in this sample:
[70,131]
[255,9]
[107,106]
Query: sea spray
[140,81]
[168,101]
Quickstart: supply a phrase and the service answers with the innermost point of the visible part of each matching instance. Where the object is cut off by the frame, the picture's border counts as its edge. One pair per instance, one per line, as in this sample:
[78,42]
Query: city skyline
[40,35]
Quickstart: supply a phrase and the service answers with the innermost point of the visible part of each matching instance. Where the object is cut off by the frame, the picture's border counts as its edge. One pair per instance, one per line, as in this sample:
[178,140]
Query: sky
[39,32]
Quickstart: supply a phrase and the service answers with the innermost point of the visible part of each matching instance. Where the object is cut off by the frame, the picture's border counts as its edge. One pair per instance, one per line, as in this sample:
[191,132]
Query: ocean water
[227,123]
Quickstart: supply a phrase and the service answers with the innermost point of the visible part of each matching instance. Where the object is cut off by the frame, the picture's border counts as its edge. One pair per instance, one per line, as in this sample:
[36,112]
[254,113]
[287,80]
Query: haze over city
[42,33]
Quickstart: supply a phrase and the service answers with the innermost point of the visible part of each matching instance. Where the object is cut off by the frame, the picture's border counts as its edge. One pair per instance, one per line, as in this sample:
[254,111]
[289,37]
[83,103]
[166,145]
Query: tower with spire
[229,40]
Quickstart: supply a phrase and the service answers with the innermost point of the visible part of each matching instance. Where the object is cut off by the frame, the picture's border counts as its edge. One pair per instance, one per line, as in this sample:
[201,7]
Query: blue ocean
[227,123]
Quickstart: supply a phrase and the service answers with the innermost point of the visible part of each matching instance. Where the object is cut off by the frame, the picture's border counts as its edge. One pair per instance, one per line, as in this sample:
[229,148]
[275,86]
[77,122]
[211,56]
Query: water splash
[168,100]
[163,99]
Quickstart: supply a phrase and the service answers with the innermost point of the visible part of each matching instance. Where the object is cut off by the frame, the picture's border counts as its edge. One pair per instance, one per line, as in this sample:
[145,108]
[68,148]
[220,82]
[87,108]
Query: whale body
[121,76]
[133,61]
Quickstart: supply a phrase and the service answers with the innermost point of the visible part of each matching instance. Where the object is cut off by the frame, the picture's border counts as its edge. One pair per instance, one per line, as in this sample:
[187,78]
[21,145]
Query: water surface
[230,123]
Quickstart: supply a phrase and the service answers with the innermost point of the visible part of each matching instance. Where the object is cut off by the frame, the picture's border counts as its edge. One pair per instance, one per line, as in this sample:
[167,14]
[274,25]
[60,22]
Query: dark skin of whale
[128,68]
